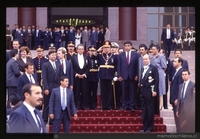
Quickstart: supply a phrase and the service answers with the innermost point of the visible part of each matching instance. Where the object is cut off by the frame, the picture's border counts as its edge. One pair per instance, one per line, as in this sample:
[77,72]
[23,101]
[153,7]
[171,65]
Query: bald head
[146,59]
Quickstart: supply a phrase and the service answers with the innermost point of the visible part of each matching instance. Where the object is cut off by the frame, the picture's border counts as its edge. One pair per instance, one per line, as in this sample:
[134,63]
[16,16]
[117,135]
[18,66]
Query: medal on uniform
[112,60]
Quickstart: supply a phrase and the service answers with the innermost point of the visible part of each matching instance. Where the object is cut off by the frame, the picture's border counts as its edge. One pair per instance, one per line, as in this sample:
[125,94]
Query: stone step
[166,113]
[168,120]
[171,128]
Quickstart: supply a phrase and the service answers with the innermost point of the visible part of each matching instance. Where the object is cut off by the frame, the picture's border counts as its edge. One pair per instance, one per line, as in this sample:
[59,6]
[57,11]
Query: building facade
[138,24]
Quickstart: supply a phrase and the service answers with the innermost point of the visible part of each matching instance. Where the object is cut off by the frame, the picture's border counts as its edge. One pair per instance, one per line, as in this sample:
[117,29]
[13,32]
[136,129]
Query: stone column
[41,17]
[127,23]
[11,16]
[26,16]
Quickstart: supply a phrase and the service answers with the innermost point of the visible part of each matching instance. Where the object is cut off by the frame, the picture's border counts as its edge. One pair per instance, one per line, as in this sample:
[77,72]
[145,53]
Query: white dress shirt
[32,79]
[168,33]
[145,70]
[53,64]
[81,61]
[24,59]
[129,55]
[186,85]
[31,109]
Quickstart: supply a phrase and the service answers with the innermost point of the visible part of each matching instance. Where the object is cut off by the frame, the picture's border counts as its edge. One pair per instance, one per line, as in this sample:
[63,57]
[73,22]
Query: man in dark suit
[80,67]
[28,36]
[27,119]
[16,46]
[167,38]
[100,38]
[66,66]
[13,100]
[47,38]
[61,112]
[185,104]
[20,35]
[172,70]
[94,37]
[12,73]
[37,37]
[51,73]
[148,91]
[128,74]
[71,34]
[27,77]
[58,38]
[174,87]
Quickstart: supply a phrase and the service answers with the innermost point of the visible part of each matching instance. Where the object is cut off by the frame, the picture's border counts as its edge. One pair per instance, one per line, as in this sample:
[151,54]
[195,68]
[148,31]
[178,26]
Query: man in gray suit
[12,73]
[85,37]
[107,34]
[185,106]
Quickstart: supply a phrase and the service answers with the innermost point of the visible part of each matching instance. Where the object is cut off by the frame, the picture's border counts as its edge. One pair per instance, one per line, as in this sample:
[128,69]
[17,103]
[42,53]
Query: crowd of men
[32,36]
[129,80]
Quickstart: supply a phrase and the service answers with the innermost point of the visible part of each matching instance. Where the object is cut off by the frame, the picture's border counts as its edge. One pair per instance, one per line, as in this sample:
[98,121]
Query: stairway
[110,121]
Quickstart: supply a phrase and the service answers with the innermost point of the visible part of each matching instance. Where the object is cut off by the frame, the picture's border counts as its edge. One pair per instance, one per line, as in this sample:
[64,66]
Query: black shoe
[142,131]
[132,110]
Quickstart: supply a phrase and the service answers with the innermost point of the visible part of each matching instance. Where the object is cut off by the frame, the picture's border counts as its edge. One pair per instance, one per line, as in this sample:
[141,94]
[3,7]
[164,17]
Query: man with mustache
[26,118]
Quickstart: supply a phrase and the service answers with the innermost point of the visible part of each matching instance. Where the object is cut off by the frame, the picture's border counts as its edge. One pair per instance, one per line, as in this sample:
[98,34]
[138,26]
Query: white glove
[115,79]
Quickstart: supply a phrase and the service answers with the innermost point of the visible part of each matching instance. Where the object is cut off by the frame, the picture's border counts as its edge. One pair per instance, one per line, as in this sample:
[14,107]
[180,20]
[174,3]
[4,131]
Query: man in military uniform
[70,50]
[117,90]
[92,79]
[38,62]
[192,39]
[8,37]
[107,69]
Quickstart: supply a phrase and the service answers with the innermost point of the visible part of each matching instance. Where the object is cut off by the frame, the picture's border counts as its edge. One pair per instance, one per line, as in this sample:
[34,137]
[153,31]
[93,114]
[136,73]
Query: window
[152,20]
[191,20]
[181,9]
[166,9]
[191,9]
[152,35]
[165,19]
[152,9]
[180,20]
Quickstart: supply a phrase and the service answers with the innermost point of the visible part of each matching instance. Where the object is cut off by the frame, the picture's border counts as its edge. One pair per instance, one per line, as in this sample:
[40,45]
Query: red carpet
[111,121]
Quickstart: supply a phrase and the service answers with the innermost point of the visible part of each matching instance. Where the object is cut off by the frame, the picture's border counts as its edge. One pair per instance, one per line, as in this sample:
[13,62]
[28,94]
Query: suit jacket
[71,35]
[184,105]
[21,121]
[22,64]
[23,80]
[107,35]
[164,35]
[94,36]
[39,35]
[172,70]
[174,87]
[57,36]
[69,71]
[19,36]
[85,36]
[126,70]
[12,73]
[76,67]
[101,37]
[55,103]
[50,77]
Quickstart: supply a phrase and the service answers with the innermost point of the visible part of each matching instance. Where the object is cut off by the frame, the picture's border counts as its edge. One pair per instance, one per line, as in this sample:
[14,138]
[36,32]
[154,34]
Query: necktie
[54,66]
[30,79]
[38,121]
[183,88]
[63,100]
[127,57]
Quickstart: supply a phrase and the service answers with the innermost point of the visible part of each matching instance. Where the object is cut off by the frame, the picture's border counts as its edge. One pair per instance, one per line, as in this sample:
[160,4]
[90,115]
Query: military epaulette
[46,57]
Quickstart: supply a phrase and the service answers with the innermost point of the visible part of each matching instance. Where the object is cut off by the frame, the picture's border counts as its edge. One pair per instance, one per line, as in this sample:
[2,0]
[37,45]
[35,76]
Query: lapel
[177,73]
[124,56]
[29,117]
[76,59]
[26,78]
[67,97]
[59,96]
[187,90]
[50,65]
[147,72]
